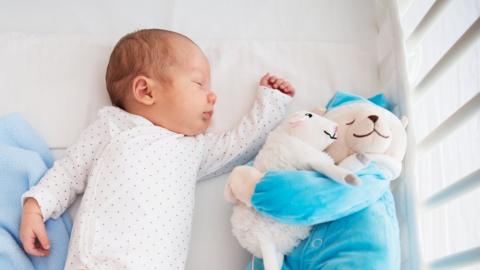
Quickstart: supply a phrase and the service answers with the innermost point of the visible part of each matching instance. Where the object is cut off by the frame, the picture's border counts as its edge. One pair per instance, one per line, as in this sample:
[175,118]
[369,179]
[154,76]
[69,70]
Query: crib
[424,55]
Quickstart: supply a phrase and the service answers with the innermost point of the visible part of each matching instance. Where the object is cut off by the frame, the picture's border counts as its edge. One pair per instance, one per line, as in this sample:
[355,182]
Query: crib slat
[448,126]
[453,191]
[461,46]
[427,21]
[457,260]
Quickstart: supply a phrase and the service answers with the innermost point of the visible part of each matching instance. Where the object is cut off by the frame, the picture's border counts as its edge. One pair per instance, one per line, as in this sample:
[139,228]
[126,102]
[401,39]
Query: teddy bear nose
[374,118]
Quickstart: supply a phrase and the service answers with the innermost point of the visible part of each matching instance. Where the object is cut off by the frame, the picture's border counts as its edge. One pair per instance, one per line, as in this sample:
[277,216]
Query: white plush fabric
[296,144]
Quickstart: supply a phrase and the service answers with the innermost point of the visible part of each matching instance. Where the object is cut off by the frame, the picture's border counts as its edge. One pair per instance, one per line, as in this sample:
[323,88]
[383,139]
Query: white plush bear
[367,128]
[365,132]
[296,144]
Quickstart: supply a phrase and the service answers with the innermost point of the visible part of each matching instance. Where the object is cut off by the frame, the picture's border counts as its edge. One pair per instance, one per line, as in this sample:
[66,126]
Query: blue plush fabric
[356,227]
[308,198]
[343,98]
[367,240]
[24,158]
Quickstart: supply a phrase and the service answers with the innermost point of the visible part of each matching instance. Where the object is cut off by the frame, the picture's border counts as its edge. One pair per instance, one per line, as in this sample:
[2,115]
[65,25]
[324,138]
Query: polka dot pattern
[138,181]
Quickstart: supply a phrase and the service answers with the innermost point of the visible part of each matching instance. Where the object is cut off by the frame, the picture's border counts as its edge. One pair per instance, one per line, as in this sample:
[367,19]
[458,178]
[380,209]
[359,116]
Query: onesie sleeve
[61,184]
[223,151]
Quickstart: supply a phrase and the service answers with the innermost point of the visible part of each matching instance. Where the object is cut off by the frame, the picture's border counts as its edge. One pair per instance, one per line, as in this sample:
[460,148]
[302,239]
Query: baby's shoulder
[109,112]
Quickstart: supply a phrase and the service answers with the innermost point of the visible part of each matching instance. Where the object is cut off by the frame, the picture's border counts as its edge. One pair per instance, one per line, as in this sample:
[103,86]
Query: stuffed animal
[365,133]
[364,126]
[367,127]
[296,144]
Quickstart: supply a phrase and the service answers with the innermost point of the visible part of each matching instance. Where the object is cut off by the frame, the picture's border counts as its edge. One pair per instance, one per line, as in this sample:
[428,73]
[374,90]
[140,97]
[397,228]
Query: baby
[138,162]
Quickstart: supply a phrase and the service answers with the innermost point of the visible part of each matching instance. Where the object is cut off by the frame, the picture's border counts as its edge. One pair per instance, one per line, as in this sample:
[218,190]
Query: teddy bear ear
[404,121]
[320,111]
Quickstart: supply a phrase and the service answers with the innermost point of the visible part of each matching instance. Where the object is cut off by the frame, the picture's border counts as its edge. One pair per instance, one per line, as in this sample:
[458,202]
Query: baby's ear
[320,111]
[142,90]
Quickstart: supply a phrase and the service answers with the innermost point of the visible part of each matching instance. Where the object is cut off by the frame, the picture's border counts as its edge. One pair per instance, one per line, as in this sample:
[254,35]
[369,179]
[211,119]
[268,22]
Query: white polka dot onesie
[138,181]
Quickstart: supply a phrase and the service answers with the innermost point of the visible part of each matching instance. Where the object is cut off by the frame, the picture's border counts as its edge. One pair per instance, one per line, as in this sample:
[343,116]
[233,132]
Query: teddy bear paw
[352,180]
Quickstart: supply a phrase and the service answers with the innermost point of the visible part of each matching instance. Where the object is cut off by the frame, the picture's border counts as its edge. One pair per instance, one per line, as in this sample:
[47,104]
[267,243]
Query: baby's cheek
[199,125]
[206,123]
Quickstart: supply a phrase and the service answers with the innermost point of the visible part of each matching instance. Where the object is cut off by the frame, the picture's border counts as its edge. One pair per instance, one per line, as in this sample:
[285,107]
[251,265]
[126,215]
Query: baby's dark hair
[145,52]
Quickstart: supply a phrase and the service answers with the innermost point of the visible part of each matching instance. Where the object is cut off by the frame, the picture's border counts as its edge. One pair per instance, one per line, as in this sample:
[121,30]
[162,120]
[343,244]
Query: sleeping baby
[138,162]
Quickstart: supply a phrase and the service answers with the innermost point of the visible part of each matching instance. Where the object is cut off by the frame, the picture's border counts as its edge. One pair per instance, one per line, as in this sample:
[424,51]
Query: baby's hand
[278,84]
[32,230]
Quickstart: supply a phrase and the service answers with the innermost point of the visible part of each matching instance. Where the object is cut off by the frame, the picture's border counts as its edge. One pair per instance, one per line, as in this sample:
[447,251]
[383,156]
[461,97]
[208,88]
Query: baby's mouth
[207,115]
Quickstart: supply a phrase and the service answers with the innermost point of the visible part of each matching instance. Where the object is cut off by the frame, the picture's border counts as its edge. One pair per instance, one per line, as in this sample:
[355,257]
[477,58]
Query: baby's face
[186,102]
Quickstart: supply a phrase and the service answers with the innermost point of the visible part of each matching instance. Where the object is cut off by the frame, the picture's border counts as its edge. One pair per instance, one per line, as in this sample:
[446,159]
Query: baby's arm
[59,187]
[32,230]
[57,190]
[222,151]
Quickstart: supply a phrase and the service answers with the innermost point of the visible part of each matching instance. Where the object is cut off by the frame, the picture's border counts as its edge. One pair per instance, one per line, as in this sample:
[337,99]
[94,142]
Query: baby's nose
[211,97]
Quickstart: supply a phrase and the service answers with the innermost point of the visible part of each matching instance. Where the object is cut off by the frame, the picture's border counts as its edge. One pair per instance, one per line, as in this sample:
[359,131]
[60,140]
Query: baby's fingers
[41,234]
[284,85]
[30,245]
[264,79]
[41,249]
[277,83]
[288,89]
[272,80]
